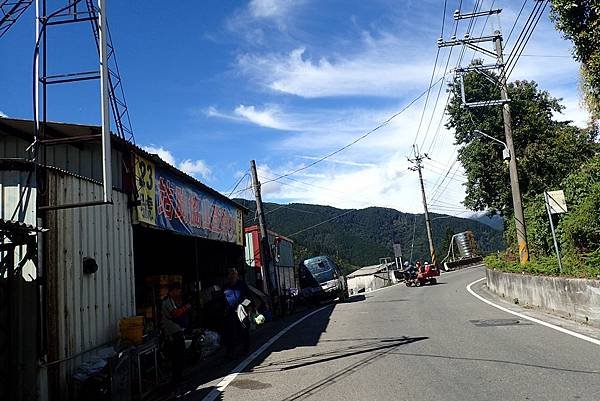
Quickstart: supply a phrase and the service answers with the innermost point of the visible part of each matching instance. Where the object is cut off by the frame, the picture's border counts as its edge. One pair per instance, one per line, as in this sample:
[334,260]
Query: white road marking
[216,392]
[532,319]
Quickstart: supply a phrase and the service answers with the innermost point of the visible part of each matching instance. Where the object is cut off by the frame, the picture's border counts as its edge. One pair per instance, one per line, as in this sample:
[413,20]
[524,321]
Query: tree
[446,242]
[580,22]
[547,150]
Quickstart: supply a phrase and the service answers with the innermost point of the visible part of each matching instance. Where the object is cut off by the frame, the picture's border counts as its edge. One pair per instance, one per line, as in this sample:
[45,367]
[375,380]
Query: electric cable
[238,183]
[360,138]
[437,55]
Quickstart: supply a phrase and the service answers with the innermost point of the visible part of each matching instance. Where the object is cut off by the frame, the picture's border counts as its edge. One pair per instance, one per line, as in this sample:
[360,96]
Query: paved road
[429,343]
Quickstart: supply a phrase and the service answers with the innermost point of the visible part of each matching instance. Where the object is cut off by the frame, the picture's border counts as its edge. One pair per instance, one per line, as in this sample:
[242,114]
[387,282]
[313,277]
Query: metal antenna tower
[10,11]
[71,13]
[504,101]
[118,103]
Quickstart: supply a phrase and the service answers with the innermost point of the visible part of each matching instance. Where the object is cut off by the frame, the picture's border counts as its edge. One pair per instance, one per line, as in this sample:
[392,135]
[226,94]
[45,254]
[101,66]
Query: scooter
[421,275]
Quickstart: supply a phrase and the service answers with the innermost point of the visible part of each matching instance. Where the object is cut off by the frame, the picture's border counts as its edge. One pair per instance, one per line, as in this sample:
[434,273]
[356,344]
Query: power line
[530,33]
[238,183]
[515,54]
[360,138]
[437,55]
[445,71]
[522,35]
[476,7]
[290,208]
[516,20]
[323,222]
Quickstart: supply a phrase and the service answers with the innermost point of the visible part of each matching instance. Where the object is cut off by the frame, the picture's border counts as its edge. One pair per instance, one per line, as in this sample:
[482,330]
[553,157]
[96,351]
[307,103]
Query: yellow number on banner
[144,182]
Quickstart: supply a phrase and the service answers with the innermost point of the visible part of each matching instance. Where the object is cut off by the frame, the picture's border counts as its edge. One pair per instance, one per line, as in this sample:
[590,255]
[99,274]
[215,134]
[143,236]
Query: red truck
[282,270]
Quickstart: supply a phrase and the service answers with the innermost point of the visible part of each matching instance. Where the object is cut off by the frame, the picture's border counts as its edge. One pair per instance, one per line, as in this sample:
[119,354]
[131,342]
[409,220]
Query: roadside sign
[556,201]
[397,250]
[555,204]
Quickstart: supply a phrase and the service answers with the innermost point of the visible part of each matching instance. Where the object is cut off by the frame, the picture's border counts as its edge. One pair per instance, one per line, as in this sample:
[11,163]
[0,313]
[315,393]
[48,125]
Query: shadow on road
[388,301]
[529,365]
[355,298]
[371,351]
[370,346]
[305,334]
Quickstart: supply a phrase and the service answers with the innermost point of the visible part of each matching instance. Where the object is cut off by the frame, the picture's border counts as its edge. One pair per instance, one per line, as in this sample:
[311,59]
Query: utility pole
[504,101]
[512,163]
[417,161]
[265,249]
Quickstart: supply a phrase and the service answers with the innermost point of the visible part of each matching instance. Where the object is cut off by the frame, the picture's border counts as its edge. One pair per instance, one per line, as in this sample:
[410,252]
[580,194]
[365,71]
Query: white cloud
[163,153]
[212,111]
[3,115]
[372,72]
[393,66]
[265,118]
[196,168]
[271,8]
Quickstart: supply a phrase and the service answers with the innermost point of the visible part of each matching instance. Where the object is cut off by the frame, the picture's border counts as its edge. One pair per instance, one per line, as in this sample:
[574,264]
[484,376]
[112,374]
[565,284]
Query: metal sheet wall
[85,159]
[13,184]
[87,307]
[12,147]
[22,324]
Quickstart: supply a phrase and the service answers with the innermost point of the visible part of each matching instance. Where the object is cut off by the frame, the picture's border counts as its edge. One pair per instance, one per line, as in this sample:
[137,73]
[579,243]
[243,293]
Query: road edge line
[222,385]
[531,319]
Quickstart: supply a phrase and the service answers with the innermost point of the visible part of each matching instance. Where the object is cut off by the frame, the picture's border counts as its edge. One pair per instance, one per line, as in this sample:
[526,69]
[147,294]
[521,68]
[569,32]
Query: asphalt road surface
[429,343]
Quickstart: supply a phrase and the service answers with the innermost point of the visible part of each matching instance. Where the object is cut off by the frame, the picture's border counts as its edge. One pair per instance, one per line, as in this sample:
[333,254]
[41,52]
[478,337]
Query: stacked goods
[161,284]
[132,329]
[146,311]
[157,289]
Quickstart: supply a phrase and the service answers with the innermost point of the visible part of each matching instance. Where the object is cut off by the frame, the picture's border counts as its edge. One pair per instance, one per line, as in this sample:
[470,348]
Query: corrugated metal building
[80,311]
[370,278]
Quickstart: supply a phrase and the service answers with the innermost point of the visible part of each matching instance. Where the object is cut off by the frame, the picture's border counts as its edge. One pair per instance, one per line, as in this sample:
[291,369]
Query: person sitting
[172,318]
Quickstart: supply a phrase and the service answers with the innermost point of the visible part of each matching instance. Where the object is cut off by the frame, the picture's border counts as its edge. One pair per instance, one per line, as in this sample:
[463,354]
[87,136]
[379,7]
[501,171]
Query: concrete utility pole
[265,249]
[512,164]
[418,165]
[475,44]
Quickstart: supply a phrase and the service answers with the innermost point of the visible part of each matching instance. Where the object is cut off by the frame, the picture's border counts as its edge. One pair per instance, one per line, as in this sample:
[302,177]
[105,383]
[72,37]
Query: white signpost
[555,204]
[398,255]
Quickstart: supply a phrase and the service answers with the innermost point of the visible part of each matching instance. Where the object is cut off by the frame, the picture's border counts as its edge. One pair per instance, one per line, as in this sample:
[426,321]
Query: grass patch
[586,266]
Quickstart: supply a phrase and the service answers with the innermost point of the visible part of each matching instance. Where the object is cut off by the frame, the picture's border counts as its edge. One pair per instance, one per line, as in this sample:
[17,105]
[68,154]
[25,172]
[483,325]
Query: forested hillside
[358,238]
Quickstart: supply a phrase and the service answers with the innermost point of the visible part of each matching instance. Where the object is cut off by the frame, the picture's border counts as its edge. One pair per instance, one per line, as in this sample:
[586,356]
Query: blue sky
[214,84]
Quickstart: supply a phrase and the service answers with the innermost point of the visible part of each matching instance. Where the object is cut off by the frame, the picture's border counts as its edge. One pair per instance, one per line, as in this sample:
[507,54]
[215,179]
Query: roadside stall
[186,233]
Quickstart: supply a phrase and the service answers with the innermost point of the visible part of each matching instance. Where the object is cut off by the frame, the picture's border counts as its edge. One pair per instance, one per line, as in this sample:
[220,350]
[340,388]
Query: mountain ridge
[359,237]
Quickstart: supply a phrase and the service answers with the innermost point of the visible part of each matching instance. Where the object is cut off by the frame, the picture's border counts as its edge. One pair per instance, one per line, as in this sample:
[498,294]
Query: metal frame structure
[10,11]
[69,14]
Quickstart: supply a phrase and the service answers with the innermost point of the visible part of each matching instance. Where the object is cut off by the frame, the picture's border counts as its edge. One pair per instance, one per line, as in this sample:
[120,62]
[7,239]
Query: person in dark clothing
[171,324]
[235,331]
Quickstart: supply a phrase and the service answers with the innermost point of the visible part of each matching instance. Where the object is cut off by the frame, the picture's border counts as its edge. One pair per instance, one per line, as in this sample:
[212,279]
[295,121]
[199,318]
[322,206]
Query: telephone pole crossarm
[466,41]
[459,16]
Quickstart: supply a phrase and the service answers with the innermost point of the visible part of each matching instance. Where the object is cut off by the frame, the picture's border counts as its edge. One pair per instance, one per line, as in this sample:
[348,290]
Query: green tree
[547,150]
[580,227]
[579,20]
[446,243]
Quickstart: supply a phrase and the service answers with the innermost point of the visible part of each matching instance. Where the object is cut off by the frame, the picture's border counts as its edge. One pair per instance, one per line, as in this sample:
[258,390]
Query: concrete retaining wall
[578,299]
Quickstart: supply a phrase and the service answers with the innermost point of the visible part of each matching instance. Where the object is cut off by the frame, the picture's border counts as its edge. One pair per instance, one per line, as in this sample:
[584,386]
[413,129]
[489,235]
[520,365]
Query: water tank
[465,242]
